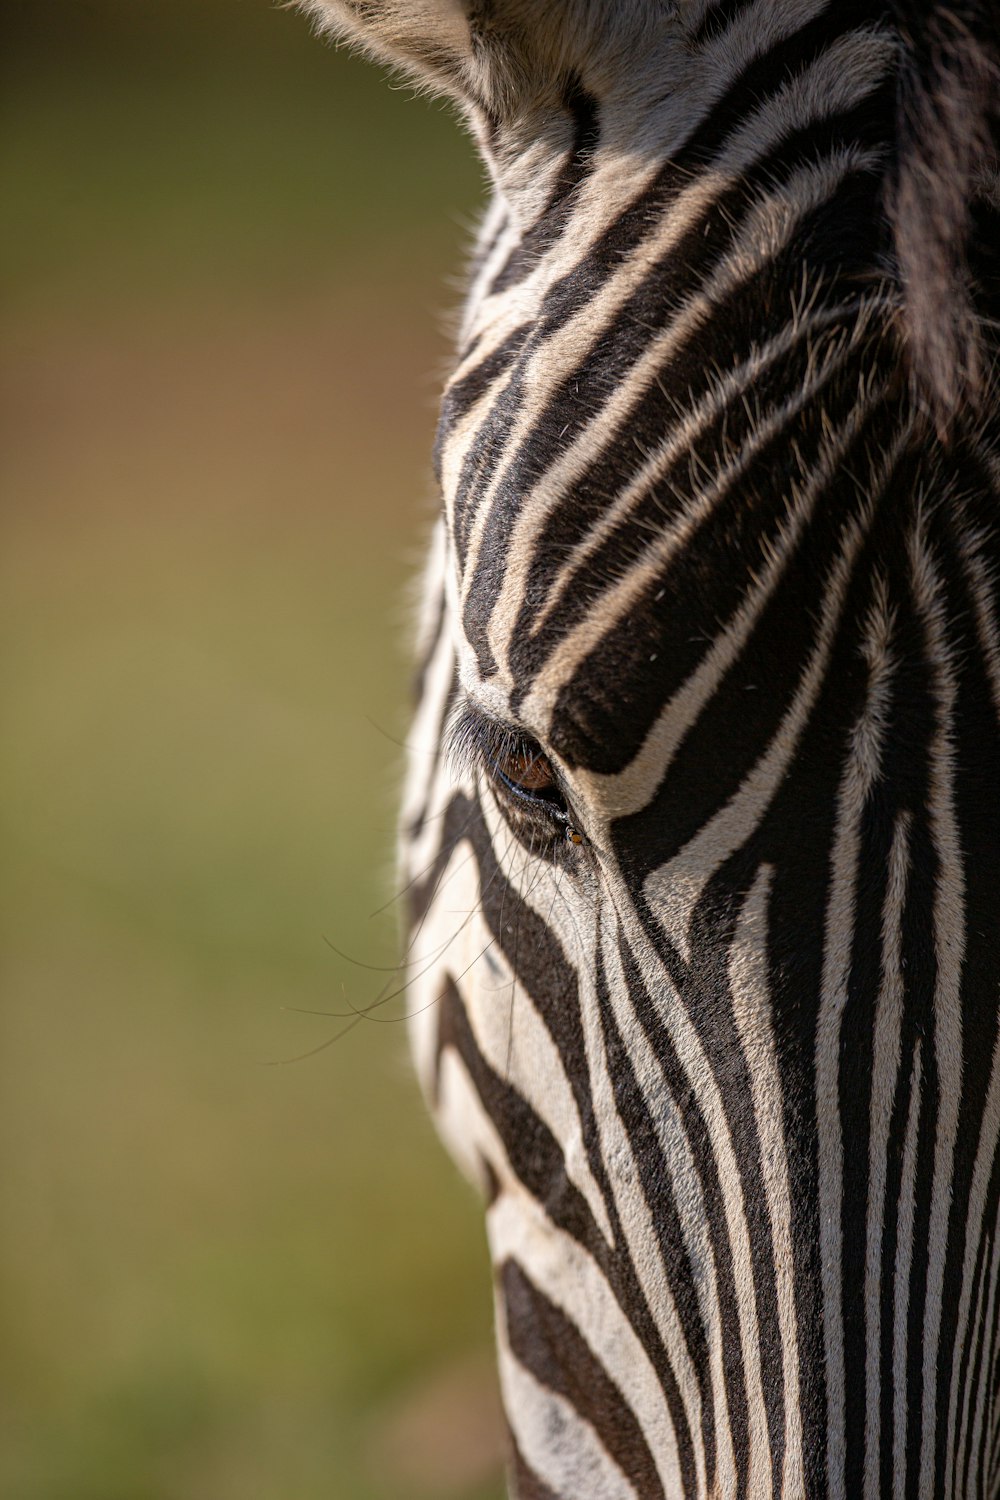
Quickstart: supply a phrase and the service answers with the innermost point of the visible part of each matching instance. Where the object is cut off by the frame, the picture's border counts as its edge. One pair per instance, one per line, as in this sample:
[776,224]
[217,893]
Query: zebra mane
[948,115]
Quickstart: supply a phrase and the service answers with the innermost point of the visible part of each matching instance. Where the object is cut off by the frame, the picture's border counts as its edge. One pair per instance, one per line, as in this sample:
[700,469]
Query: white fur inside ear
[428,39]
[511,59]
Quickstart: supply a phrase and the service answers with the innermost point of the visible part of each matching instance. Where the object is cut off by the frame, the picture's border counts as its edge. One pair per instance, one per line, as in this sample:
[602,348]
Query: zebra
[701,829]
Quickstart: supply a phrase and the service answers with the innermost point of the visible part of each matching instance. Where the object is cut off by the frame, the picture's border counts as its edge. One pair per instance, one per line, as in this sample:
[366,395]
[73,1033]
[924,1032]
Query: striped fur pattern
[702,828]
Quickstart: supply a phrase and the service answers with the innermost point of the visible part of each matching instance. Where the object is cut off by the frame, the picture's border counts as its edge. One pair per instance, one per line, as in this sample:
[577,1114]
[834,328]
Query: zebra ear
[431,40]
[499,59]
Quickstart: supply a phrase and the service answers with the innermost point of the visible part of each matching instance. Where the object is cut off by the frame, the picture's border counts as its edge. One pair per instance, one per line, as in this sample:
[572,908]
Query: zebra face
[701,826]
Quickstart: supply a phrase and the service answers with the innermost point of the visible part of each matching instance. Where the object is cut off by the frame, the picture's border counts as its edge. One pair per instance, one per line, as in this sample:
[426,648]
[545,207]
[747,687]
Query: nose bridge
[702,1178]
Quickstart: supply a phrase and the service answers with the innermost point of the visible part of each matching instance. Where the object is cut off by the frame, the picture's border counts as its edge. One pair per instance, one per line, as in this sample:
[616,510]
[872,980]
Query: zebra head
[702,828]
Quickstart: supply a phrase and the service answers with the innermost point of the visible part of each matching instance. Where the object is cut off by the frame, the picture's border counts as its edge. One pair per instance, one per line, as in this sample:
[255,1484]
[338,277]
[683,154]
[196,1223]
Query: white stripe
[833,998]
[508,1028]
[631,789]
[949,945]
[564,1273]
[673,889]
[748,977]
[885,1074]
[687,1189]
[637,1223]
[564,1450]
[842,76]
[901,1298]
[989,1139]
[972,1404]
[860,771]
[687,425]
[770,225]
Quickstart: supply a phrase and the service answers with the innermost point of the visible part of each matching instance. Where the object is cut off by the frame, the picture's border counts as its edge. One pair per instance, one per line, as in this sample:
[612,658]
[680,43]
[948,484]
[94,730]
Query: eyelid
[474,742]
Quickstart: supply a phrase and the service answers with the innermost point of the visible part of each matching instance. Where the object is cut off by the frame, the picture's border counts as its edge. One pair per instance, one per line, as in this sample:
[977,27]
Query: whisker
[359,963]
[282,1062]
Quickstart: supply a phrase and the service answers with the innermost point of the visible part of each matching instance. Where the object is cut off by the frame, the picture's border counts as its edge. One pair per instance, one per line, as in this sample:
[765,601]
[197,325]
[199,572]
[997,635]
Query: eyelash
[477,744]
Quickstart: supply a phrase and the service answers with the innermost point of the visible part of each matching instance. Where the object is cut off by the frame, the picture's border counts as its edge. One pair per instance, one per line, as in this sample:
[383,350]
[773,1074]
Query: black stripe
[582,109]
[734,328]
[538,1162]
[767,75]
[665,1212]
[463,394]
[544,1340]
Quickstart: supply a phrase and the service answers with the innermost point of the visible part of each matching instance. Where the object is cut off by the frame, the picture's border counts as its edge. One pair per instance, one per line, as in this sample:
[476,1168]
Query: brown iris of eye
[526,769]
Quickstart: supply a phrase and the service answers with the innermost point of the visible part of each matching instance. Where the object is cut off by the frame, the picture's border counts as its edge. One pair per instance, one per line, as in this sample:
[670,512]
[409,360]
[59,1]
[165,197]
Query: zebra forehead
[588,589]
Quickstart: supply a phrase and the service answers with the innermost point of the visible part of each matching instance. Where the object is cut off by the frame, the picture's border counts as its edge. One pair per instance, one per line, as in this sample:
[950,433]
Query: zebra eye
[525,769]
[521,767]
[518,767]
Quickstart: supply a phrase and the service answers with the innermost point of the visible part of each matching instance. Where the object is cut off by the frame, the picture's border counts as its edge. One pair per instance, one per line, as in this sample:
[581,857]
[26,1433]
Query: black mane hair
[945,204]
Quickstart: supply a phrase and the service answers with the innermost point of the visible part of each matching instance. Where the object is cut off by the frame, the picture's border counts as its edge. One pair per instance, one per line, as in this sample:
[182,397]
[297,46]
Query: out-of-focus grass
[188,141]
[218,1277]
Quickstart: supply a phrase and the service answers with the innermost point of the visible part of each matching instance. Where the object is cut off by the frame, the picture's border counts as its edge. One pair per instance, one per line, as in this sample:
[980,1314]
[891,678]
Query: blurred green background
[226,253]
